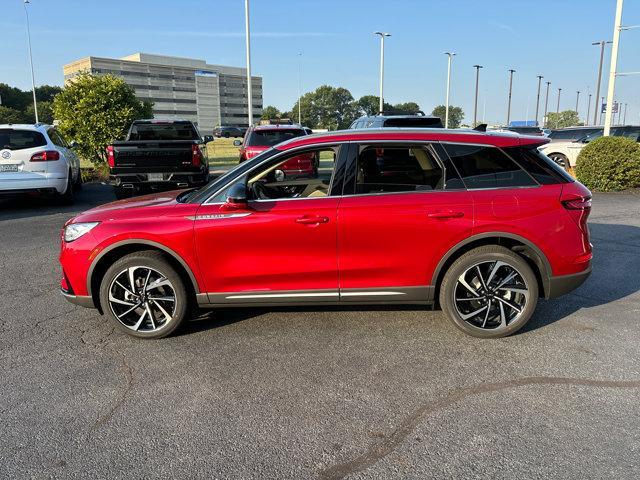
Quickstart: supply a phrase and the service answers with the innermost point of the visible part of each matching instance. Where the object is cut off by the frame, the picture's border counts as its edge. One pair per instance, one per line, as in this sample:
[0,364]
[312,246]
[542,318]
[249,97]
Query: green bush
[609,164]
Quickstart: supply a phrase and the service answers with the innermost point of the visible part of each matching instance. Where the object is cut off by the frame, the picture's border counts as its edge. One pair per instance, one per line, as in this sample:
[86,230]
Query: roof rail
[402,112]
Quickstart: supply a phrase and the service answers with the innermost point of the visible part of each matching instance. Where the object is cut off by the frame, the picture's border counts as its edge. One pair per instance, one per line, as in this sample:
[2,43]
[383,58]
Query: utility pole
[511,72]
[382,36]
[588,110]
[540,77]
[612,70]
[558,106]
[248,48]
[602,44]
[446,106]
[577,100]
[33,81]
[624,121]
[546,105]
[475,103]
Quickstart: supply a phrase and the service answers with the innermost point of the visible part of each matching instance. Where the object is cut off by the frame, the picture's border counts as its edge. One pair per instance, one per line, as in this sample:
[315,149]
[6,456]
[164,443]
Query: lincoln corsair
[481,224]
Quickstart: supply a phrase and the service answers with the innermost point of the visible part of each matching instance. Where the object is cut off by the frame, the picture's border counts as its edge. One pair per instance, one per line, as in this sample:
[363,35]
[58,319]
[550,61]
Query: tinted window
[20,139]
[397,169]
[539,166]
[414,122]
[632,133]
[269,138]
[163,131]
[56,138]
[487,167]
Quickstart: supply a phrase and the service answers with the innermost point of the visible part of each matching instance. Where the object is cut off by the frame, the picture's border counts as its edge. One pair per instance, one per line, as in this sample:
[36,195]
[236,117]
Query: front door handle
[315,220]
[445,214]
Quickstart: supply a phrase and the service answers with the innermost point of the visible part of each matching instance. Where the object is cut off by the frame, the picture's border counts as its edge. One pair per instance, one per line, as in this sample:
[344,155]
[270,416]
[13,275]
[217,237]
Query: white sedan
[36,159]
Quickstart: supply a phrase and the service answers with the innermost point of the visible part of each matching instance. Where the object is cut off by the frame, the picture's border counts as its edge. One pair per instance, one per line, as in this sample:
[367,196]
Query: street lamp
[511,72]
[558,106]
[248,48]
[475,104]
[612,69]
[300,88]
[546,105]
[382,36]
[602,44]
[540,77]
[624,121]
[33,81]
[446,105]
[577,100]
[588,109]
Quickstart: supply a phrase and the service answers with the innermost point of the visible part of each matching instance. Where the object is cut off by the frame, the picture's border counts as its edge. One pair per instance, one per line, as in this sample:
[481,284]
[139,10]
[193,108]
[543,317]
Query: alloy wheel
[491,295]
[142,299]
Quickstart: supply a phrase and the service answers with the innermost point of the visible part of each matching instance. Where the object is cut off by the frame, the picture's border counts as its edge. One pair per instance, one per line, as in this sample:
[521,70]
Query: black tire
[77,185]
[500,301]
[560,159]
[122,193]
[157,262]
[67,198]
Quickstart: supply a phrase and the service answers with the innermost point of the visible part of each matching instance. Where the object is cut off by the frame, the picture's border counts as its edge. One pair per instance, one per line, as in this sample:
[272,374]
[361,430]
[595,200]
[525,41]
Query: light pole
[446,105]
[511,72]
[540,77]
[475,104]
[546,105]
[299,88]
[382,36]
[601,107]
[624,120]
[612,70]
[558,106]
[248,47]
[33,81]
[577,101]
[588,110]
[602,44]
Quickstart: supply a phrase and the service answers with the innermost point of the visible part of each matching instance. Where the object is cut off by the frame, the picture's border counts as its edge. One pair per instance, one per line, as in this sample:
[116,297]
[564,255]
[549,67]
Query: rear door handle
[312,220]
[445,214]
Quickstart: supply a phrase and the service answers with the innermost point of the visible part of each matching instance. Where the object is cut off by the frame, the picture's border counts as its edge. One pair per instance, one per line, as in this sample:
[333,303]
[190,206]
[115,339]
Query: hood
[156,204]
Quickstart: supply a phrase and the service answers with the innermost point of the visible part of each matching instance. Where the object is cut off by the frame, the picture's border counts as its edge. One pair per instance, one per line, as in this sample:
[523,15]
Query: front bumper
[563,284]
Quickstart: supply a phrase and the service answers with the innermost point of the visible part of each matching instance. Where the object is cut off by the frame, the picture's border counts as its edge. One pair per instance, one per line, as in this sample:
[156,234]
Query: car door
[402,209]
[281,247]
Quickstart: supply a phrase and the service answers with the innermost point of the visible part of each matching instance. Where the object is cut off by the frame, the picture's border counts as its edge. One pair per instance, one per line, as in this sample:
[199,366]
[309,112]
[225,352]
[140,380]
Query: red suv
[481,223]
[262,137]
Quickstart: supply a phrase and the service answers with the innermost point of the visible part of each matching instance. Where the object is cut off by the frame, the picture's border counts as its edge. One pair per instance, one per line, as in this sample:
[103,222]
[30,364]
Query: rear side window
[163,131]
[487,167]
[539,166]
[269,138]
[20,139]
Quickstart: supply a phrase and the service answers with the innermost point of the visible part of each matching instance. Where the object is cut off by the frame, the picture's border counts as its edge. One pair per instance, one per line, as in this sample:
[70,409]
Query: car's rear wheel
[67,197]
[560,159]
[489,292]
[144,295]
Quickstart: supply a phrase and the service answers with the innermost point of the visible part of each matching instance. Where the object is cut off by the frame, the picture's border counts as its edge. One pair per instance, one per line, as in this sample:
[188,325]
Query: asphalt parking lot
[327,393]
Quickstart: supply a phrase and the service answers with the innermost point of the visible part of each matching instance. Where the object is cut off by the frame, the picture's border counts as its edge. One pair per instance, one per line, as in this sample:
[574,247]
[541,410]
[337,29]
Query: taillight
[578,208]
[196,156]
[582,203]
[111,157]
[47,156]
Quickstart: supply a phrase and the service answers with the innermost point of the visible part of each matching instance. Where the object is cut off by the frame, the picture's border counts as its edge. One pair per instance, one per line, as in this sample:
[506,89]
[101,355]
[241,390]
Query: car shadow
[615,275]
[30,206]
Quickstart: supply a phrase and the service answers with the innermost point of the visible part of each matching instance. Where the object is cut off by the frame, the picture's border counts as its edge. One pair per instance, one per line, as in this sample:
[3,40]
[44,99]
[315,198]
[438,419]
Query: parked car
[226,132]
[158,155]
[571,134]
[562,152]
[262,137]
[389,120]
[481,223]
[37,159]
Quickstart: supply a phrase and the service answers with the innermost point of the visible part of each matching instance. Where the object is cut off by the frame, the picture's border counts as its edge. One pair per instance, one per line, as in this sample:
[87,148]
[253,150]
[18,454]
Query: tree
[45,112]
[45,93]
[567,118]
[455,115]
[12,115]
[408,107]
[327,107]
[370,105]
[270,112]
[14,97]
[95,111]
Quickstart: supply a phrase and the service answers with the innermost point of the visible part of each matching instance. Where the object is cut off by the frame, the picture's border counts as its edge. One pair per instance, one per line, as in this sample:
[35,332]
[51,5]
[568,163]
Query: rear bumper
[81,300]
[168,179]
[563,284]
[32,183]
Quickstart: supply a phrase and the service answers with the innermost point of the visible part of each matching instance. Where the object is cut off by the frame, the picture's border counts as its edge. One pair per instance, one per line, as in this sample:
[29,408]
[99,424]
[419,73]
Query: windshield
[163,131]
[201,194]
[269,138]
[20,139]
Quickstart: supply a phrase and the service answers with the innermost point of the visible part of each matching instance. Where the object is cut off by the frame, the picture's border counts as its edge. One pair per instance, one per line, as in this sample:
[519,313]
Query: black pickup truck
[158,155]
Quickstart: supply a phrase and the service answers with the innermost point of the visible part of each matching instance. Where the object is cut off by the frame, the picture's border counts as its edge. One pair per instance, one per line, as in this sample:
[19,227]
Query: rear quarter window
[20,139]
[487,167]
[539,166]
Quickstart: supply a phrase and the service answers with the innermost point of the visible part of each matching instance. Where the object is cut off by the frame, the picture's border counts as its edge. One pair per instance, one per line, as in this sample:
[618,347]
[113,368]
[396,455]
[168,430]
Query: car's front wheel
[144,295]
[489,292]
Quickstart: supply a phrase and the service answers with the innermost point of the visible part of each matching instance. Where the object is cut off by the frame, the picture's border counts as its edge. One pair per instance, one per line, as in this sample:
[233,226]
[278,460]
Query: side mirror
[237,143]
[207,138]
[237,197]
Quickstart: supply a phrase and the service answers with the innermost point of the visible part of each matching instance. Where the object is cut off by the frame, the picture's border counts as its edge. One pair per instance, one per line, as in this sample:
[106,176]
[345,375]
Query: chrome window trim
[275,157]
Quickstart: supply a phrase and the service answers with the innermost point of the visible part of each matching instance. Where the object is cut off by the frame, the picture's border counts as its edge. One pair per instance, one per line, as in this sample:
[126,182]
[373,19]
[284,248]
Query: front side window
[383,169]
[487,167]
[306,174]
[56,138]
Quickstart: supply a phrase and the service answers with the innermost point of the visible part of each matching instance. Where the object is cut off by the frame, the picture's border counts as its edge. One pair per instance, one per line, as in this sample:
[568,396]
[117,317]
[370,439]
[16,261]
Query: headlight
[74,231]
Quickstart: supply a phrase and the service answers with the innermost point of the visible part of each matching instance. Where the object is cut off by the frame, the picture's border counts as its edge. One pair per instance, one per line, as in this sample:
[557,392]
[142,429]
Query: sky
[535,37]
